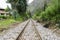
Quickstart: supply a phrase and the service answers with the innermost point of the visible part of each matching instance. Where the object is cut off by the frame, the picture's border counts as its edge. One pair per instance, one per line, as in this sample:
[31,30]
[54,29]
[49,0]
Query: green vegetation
[4,17]
[18,8]
[50,13]
[17,13]
[6,23]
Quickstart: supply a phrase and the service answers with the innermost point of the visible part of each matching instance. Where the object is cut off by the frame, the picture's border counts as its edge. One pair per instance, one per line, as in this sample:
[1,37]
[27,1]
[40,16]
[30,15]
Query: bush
[51,13]
[3,17]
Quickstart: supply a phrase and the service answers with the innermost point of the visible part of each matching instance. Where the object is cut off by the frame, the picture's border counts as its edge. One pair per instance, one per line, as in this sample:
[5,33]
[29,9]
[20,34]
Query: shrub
[3,17]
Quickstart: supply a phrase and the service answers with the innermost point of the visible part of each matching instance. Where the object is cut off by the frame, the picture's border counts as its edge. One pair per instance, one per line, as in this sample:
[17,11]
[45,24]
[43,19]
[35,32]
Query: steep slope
[36,4]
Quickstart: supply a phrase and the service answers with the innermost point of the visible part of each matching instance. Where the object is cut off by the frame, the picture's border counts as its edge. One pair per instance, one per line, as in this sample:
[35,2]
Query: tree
[45,5]
[7,9]
[19,5]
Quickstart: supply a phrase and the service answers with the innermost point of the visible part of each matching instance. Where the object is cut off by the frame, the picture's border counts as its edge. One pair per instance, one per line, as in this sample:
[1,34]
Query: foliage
[18,9]
[7,9]
[29,13]
[37,14]
[45,5]
[4,17]
[19,5]
[5,23]
[51,13]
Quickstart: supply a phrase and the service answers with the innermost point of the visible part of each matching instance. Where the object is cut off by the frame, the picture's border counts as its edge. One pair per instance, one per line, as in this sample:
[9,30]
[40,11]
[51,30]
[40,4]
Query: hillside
[37,4]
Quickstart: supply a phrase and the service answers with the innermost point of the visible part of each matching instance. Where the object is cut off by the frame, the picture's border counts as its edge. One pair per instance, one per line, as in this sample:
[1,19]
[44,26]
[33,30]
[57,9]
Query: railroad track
[29,33]
[24,31]
[13,33]
[36,30]
[29,30]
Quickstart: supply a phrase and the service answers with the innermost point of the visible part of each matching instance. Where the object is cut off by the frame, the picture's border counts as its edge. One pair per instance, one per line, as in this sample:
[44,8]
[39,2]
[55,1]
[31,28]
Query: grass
[6,23]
